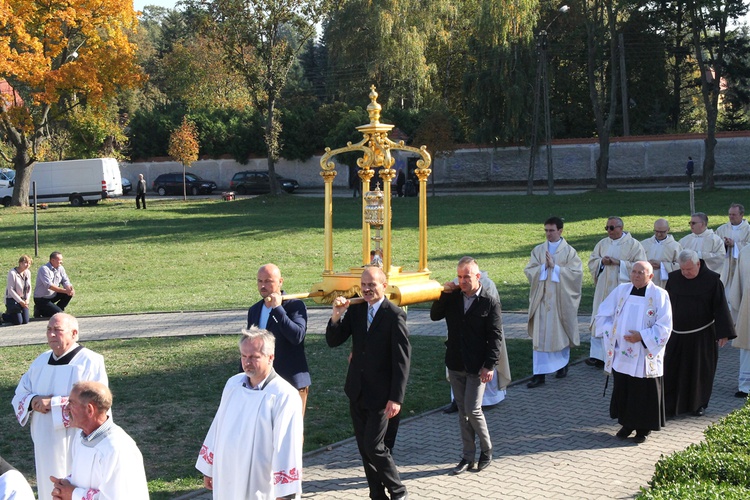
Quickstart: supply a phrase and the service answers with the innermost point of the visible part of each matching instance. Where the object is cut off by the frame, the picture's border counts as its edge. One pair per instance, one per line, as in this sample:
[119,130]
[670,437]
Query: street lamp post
[542,92]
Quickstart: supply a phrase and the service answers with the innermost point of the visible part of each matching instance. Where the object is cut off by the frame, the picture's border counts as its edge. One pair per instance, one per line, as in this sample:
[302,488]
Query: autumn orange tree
[183,147]
[55,57]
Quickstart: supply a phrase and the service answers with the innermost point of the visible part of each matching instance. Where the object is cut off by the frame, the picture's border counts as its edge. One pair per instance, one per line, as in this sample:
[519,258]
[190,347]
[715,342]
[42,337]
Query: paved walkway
[553,442]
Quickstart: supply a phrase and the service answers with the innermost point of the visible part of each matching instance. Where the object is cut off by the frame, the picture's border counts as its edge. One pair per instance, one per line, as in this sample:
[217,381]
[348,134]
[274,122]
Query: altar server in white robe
[610,264]
[107,464]
[635,322]
[662,251]
[555,274]
[13,486]
[739,306]
[704,242]
[43,391]
[736,235]
[254,446]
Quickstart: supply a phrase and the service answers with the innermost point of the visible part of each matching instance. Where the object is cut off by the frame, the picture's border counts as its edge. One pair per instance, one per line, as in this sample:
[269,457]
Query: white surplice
[253,449]
[13,486]
[651,316]
[708,246]
[109,467]
[50,432]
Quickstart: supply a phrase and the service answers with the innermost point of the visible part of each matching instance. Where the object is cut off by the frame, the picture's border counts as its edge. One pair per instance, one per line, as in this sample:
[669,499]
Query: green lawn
[203,255]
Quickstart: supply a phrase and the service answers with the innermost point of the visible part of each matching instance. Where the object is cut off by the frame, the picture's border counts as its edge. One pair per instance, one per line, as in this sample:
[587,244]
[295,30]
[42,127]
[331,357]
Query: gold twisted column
[366,175]
[422,174]
[328,176]
[387,174]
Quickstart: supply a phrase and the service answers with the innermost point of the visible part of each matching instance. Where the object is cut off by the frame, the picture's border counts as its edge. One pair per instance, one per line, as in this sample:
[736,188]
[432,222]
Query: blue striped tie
[370,315]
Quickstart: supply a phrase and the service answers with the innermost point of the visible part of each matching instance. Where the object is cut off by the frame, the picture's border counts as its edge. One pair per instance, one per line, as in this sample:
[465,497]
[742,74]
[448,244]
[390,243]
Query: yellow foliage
[183,143]
[58,49]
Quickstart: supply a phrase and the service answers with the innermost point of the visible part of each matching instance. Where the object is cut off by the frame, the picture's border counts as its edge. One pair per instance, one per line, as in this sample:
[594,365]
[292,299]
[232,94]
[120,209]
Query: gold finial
[373,109]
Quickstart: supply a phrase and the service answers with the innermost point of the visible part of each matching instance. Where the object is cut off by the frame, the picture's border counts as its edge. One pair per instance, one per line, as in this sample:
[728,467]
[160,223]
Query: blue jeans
[15,313]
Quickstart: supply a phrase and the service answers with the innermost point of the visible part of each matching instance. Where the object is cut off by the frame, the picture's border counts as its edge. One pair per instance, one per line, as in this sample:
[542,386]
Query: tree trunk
[272,142]
[22,186]
[602,162]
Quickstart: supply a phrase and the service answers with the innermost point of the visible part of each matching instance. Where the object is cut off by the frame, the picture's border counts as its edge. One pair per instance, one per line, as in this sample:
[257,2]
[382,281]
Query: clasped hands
[63,490]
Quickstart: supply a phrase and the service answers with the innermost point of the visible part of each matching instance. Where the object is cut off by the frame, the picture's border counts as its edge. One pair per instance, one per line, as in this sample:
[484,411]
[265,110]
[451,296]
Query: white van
[74,181]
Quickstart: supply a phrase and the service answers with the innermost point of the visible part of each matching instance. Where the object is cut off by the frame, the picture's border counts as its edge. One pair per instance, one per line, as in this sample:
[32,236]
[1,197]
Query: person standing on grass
[287,321]
[18,292]
[53,290]
[376,377]
[662,251]
[107,464]
[610,264]
[635,321]
[140,192]
[43,391]
[739,306]
[705,243]
[735,234]
[253,448]
[475,334]
[555,274]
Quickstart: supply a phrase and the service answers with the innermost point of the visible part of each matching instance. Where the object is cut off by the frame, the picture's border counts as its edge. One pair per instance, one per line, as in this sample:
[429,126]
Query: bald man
[662,251]
[287,320]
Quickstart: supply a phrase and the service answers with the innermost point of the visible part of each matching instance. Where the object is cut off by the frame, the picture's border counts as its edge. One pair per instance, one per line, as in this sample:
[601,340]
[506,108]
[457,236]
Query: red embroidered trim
[282,477]
[206,455]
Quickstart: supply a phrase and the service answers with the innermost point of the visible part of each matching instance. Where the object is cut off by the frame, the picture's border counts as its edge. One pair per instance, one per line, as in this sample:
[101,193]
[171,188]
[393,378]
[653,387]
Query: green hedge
[717,468]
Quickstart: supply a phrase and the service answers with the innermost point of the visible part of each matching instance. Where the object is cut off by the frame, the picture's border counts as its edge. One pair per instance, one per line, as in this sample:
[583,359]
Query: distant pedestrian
[140,192]
[690,169]
[400,181]
[354,181]
[18,292]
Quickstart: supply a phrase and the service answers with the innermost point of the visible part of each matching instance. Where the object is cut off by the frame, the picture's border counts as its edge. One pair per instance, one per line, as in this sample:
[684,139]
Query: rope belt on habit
[696,330]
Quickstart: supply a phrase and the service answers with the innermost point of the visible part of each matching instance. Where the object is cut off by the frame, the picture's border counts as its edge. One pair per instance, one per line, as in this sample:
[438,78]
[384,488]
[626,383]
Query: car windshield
[7,174]
[192,177]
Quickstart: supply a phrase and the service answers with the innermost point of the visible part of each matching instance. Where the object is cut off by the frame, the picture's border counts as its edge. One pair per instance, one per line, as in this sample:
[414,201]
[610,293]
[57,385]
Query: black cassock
[699,306]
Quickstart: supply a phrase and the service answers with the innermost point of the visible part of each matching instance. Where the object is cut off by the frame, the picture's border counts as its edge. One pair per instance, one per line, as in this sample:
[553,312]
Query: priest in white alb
[704,242]
[43,391]
[555,274]
[662,251]
[736,235]
[739,305]
[635,322]
[610,264]
[107,464]
[254,445]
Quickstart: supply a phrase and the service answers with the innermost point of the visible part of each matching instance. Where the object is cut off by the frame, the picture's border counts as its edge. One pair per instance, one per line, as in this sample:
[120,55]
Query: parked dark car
[258,182]
[126,186]
[172,184]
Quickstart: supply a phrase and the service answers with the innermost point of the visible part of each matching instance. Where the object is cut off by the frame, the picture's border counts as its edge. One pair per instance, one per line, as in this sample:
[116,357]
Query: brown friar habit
[690,360]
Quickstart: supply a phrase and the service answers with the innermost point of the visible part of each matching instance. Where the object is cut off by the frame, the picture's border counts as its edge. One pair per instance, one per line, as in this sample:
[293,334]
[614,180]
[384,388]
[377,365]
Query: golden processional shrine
[404,287]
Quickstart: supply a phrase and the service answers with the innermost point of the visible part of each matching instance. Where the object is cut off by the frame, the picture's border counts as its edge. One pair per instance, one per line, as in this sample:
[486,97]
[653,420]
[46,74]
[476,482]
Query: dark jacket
[379,367]
[288,323]
[473,338]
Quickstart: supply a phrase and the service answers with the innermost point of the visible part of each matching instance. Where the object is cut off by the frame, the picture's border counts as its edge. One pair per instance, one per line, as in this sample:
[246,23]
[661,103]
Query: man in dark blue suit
[287,321]
[378,371]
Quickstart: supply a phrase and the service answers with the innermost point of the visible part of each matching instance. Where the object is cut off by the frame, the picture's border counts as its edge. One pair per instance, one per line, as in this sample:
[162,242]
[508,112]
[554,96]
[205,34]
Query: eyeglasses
[610,228]
[692,222]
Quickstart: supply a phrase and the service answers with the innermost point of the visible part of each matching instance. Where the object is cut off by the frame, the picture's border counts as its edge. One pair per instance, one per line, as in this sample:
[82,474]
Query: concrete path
[552,442]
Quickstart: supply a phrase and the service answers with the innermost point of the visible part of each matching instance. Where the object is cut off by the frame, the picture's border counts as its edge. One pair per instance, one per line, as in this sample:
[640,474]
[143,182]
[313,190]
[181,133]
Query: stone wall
[640,159]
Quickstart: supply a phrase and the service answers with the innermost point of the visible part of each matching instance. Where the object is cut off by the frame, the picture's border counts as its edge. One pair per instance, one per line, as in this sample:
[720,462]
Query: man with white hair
[254,446]
[43,392]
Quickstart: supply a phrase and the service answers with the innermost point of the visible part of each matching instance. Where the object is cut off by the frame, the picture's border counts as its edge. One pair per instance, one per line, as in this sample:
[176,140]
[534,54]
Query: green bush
[717,468]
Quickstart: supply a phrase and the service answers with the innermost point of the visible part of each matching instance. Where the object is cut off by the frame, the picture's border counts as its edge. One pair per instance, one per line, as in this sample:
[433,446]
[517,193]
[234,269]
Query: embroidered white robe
[50,432]
[110,467]
[253,449]
[651,315]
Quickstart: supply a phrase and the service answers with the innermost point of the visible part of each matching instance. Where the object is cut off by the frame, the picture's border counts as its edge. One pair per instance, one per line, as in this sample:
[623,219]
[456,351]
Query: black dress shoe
[535,381]
[404,496]
[562,372]
[700,411]
[451,408]
[595,362]
[640,436]
[740,394]
[624,433]
[462,467]
[485,459]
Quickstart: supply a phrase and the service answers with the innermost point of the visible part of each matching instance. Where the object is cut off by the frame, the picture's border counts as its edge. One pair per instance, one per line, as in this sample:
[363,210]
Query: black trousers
[369,429]
[46,308]
[141,197]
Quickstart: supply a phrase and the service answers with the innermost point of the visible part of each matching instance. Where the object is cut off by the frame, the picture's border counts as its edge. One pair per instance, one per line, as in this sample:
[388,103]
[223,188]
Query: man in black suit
[378,371]
[287,321]
[475,330]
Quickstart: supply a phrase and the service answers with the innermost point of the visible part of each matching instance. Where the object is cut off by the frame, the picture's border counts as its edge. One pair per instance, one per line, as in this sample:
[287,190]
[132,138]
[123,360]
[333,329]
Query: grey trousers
[468,391]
